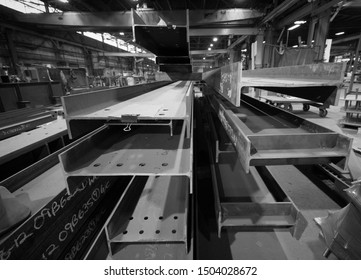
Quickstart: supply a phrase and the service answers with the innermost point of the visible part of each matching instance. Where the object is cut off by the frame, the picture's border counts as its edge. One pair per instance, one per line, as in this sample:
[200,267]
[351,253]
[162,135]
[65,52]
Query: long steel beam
[78,107]
[225,31]
[305,11]
[195,52]
[126,54]
[121,20]
[278,10]
[265,135]
[315,82]
[237,42]
[151,219]
[345,39]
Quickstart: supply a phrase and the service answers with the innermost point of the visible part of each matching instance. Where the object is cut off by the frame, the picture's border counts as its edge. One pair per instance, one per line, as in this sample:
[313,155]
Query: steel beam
[315,82]
[272,136]
[224,31]
[148,136]
[120,20]
[205,17]
[322,32]
[237,42]
[202,60]
[253,203]
[278,10]
[80,20]
[195,52]
[305,11]
[345,39]
[125,54]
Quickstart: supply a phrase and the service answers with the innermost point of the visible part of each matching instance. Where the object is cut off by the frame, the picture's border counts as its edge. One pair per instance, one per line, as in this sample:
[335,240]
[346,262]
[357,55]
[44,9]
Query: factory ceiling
[246,19]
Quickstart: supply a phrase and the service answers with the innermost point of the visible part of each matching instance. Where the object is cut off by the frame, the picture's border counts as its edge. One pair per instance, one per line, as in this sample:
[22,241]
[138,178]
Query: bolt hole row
[157,231]
[121,164]
[160,218]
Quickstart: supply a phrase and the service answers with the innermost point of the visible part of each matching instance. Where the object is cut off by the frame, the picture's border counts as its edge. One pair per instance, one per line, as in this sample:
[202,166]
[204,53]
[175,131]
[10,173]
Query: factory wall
[43,50]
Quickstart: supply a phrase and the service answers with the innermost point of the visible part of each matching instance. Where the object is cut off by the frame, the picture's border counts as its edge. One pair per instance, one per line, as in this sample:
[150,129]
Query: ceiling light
[295,46]
[211,66]
[204,58]
[121,33]
[215,39]
[244,50]
[339,33]
[300,22]
[64,1]
[209,49]
[294,27]
[264,42]
[211,45]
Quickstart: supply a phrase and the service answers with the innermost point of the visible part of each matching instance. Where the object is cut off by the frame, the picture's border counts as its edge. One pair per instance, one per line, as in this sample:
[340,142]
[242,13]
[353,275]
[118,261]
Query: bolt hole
[107,109]
[125,232]
[157,231]
[131,218]
[119,164]
[164,164]
[97,164]
[161,218]
[175,217]
[142,164]
[161,114]
[174,231]
[141,232]
[145,218]
[165,109]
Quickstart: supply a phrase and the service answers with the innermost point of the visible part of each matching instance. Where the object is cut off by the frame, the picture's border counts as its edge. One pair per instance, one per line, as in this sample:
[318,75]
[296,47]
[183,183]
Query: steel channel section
[17,128]
[315,82]
[243,200]
[152,213]
[87,111]
[297,141]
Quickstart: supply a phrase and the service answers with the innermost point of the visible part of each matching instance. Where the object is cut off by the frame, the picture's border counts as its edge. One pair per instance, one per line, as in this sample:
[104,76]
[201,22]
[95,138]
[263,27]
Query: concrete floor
[309,195]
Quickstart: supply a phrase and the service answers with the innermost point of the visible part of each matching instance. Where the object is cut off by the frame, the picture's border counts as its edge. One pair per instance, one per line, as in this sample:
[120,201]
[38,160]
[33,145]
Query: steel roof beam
[345,39]
[126,54]
[208,52]
[238,41]
[224,31]
[304,11]
[278,10]
[106,20]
